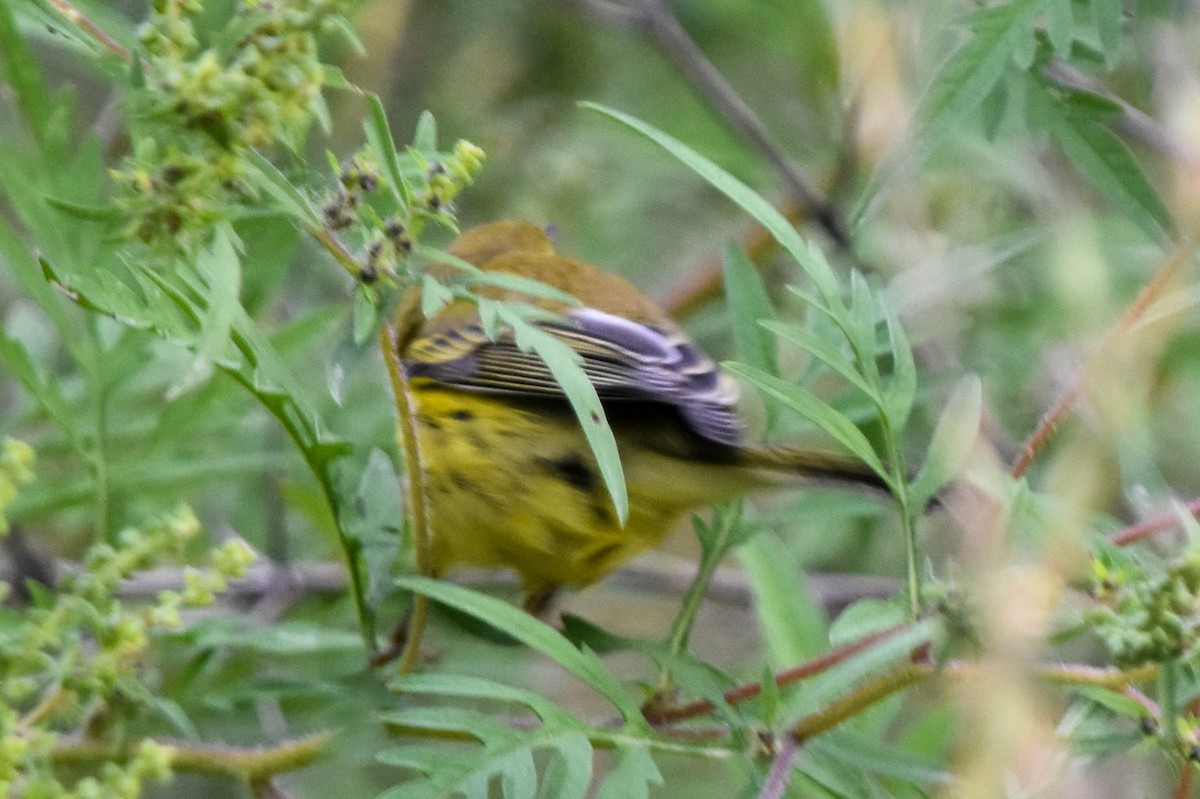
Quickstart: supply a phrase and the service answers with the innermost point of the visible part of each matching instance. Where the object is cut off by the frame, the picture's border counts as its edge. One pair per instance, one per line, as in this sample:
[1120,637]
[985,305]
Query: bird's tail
[781,465]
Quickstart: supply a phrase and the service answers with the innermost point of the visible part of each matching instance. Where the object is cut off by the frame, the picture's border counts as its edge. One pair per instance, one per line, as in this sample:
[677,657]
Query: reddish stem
[1145,529]
[742,693]
[1174,262]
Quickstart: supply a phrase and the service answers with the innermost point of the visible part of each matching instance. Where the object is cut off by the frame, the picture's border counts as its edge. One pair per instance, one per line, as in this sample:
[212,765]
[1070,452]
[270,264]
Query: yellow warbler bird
[509,478]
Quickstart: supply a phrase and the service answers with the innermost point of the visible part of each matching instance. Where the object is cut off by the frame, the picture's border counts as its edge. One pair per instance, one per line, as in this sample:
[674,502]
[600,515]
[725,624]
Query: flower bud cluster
[1148,617]
[387,237]
[16,469]
[73,664]
[204,104]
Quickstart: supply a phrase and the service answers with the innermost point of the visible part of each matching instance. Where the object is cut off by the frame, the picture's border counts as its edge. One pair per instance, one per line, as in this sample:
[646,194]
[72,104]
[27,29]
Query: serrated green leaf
[569,774]
[958,88]
[974,69]
[632,776]
[469,687]
[1107,162]
[221,269]
[376,523]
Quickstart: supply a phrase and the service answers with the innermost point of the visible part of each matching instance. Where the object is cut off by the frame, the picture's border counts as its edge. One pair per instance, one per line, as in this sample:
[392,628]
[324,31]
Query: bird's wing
[624,360]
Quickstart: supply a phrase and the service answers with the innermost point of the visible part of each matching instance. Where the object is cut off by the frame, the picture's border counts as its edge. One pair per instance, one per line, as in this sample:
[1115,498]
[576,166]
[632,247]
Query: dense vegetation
[955,240]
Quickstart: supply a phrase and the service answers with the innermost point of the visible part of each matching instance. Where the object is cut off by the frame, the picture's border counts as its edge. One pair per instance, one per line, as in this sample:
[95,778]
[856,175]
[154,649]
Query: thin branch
[670,715]
[77,18]
[888,683]
[1142,530]
[1171,266]
[654,18]
[860,699]
[250,764]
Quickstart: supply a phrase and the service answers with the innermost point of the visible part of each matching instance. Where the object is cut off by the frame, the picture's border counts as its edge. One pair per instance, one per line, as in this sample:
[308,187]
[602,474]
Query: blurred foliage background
[1010,244]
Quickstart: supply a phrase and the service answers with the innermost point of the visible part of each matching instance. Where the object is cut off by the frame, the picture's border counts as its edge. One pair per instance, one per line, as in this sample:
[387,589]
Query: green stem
[1168,697]
[726,522]
[98,457]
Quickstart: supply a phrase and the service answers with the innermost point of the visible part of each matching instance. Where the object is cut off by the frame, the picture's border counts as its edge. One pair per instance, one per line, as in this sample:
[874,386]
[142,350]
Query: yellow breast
[512,483]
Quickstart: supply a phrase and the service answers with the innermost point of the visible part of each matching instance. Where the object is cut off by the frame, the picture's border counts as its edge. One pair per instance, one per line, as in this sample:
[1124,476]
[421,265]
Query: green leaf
[1118,703]
[280,638]
[564,363]
[824,351]
[878,758]
[264,175]
[569,774]
[443,719]
[901,390]
[750,308]
[953,439]
[861,329]
[18,364]
[474,276]
[1106,16]
[221,270]
[793,624]
[959,88]
[534,634]
[809,258]
[632,776]
[974,69]
[820,413]
[22,73]
[1103,159]
[365,315]
[816,51]
[1060,23]
[379,136]
[865,617]
[425,136]
[376,525]
[468,687]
